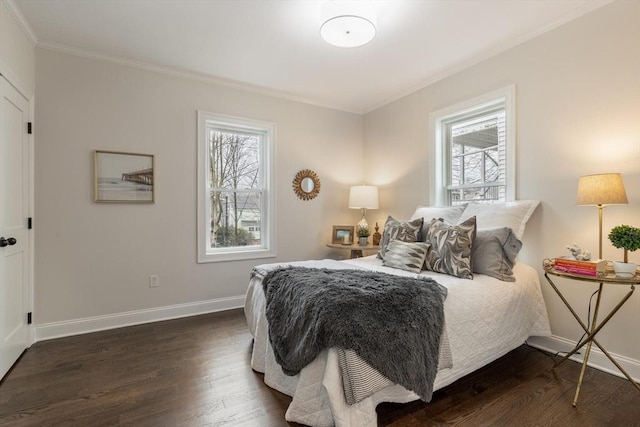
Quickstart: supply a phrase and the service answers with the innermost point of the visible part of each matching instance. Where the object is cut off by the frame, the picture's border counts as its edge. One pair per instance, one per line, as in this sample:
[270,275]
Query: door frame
[32,168]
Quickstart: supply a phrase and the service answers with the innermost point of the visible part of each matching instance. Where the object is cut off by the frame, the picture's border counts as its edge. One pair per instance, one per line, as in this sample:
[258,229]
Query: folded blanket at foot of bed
[393,323]
[360,380]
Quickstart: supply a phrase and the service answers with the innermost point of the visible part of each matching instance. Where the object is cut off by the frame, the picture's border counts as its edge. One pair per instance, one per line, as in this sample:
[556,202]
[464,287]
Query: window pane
[492,166]
[234,160]
[481,193]
[456,170]
[473,168]
[235,218]
[476,146]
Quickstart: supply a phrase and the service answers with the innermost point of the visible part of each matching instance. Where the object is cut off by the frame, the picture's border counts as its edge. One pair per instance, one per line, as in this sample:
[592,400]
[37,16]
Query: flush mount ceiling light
[348,23]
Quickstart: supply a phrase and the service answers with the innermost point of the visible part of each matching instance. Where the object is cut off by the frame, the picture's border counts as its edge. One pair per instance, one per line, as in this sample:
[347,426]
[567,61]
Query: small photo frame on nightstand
[342,234]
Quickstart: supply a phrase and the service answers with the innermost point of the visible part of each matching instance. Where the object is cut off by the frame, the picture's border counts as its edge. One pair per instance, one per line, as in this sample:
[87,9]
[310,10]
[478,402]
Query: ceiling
[274,46]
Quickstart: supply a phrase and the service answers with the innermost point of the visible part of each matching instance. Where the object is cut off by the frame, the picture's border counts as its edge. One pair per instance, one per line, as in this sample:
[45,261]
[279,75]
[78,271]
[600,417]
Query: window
[235,188]
[473,155]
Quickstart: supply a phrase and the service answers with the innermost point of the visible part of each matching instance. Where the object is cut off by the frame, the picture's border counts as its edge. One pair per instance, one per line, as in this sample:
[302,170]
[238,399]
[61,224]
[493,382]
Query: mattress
[485,319]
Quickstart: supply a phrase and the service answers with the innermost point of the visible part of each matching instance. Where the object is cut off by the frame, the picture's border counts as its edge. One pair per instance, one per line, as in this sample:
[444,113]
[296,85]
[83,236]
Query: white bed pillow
[449,214]
[513,215]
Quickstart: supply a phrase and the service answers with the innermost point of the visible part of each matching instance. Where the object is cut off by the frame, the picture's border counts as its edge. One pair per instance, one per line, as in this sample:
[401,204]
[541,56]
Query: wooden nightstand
[592,330]
[356,250]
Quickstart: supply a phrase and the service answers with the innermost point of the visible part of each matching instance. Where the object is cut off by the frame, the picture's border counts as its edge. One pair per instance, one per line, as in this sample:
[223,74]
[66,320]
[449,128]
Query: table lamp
[363,197]
[601,190]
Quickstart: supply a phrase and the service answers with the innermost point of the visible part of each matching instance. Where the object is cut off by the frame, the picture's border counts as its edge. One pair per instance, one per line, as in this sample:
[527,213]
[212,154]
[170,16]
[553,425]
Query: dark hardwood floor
[195,372]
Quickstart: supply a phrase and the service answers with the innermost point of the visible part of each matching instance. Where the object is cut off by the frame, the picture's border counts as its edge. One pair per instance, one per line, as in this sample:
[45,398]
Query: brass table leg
[586,354]
[591,331]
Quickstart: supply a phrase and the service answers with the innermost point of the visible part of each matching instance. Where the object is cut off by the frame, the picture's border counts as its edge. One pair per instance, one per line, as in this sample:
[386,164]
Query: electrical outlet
[154,281]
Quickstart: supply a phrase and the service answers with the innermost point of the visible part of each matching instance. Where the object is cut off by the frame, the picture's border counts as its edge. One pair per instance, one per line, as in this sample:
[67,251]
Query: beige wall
[17,54]
[578,113]
[95,259]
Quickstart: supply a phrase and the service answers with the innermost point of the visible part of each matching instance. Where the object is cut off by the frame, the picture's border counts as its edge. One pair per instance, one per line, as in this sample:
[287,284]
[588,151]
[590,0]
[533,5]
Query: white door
[14,236]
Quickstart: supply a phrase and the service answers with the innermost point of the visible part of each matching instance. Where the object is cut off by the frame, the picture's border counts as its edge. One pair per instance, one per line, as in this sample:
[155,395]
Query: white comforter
[485,319]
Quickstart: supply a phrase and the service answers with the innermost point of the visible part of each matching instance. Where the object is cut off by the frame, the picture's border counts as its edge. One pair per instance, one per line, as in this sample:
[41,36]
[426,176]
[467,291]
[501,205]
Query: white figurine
[579,254]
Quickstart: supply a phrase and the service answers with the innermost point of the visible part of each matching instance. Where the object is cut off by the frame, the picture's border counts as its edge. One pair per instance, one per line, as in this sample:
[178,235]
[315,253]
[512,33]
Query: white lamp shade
[363,197]
[601,189]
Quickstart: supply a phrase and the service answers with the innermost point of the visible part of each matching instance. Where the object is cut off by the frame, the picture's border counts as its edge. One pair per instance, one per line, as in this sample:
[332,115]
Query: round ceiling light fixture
[348,23]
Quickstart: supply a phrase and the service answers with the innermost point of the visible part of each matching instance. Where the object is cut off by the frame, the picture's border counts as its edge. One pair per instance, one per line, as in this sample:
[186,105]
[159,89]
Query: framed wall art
[123,177]
[342,234]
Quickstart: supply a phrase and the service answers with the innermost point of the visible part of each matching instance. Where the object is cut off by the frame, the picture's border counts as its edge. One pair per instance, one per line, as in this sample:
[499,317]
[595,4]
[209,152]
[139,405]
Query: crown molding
[189,75]
[22,21]
[578,12]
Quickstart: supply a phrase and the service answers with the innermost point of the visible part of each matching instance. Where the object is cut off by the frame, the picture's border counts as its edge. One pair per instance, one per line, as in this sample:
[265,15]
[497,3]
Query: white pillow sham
[513,215]
[449,214]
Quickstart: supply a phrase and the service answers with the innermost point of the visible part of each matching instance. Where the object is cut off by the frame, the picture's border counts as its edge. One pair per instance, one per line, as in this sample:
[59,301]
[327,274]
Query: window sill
[236,256]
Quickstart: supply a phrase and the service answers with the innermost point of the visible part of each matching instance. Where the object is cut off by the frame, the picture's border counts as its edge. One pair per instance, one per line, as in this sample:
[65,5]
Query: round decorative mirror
[306,184]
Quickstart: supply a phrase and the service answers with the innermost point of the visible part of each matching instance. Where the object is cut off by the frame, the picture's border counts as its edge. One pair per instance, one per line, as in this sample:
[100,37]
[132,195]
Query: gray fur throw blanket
[394,323]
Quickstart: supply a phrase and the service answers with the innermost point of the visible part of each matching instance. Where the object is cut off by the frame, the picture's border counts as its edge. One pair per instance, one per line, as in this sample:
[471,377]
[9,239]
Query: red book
[576,270]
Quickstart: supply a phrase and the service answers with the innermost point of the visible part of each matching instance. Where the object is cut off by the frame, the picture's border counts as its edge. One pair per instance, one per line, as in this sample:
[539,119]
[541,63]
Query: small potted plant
[363,234]
[627,238]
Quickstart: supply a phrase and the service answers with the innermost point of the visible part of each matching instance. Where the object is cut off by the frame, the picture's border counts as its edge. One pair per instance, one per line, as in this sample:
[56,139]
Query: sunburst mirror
[306,184]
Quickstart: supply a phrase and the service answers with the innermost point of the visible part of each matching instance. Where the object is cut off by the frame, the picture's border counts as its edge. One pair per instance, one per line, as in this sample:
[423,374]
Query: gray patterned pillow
[406,231]
[450,251]
[405,255]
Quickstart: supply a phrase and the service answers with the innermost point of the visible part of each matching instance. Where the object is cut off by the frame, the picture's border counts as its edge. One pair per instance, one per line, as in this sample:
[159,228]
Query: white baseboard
[597,359]
[47,331]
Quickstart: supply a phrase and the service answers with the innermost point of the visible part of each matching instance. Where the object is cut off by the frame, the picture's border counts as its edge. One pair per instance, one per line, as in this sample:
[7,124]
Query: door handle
[7,242]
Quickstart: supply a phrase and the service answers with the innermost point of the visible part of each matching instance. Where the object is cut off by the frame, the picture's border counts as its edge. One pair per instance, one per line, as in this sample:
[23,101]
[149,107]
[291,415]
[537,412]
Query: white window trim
[437,151]
[268,236]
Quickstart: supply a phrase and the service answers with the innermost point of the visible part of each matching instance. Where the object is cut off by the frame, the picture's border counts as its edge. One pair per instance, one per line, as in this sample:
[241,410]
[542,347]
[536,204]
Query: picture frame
[121,177]
[339,232]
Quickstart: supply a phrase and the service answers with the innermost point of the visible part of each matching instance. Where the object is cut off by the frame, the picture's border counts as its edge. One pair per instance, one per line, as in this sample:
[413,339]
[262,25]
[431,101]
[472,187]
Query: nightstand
[356,250]
[609,278]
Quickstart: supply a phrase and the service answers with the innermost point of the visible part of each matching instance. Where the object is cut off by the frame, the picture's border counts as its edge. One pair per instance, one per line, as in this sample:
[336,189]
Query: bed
[486,317]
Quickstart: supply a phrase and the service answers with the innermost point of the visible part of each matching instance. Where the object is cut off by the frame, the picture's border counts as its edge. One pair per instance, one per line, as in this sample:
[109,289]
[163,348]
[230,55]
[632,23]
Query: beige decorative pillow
[406,231]
[405,255]
[450,251]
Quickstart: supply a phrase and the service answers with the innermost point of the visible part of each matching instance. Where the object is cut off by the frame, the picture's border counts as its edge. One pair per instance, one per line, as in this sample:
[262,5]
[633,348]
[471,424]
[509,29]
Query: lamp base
[362,224]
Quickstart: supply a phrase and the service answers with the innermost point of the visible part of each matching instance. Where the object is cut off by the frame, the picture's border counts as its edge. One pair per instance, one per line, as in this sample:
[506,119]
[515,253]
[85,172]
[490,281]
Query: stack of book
[586,268]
